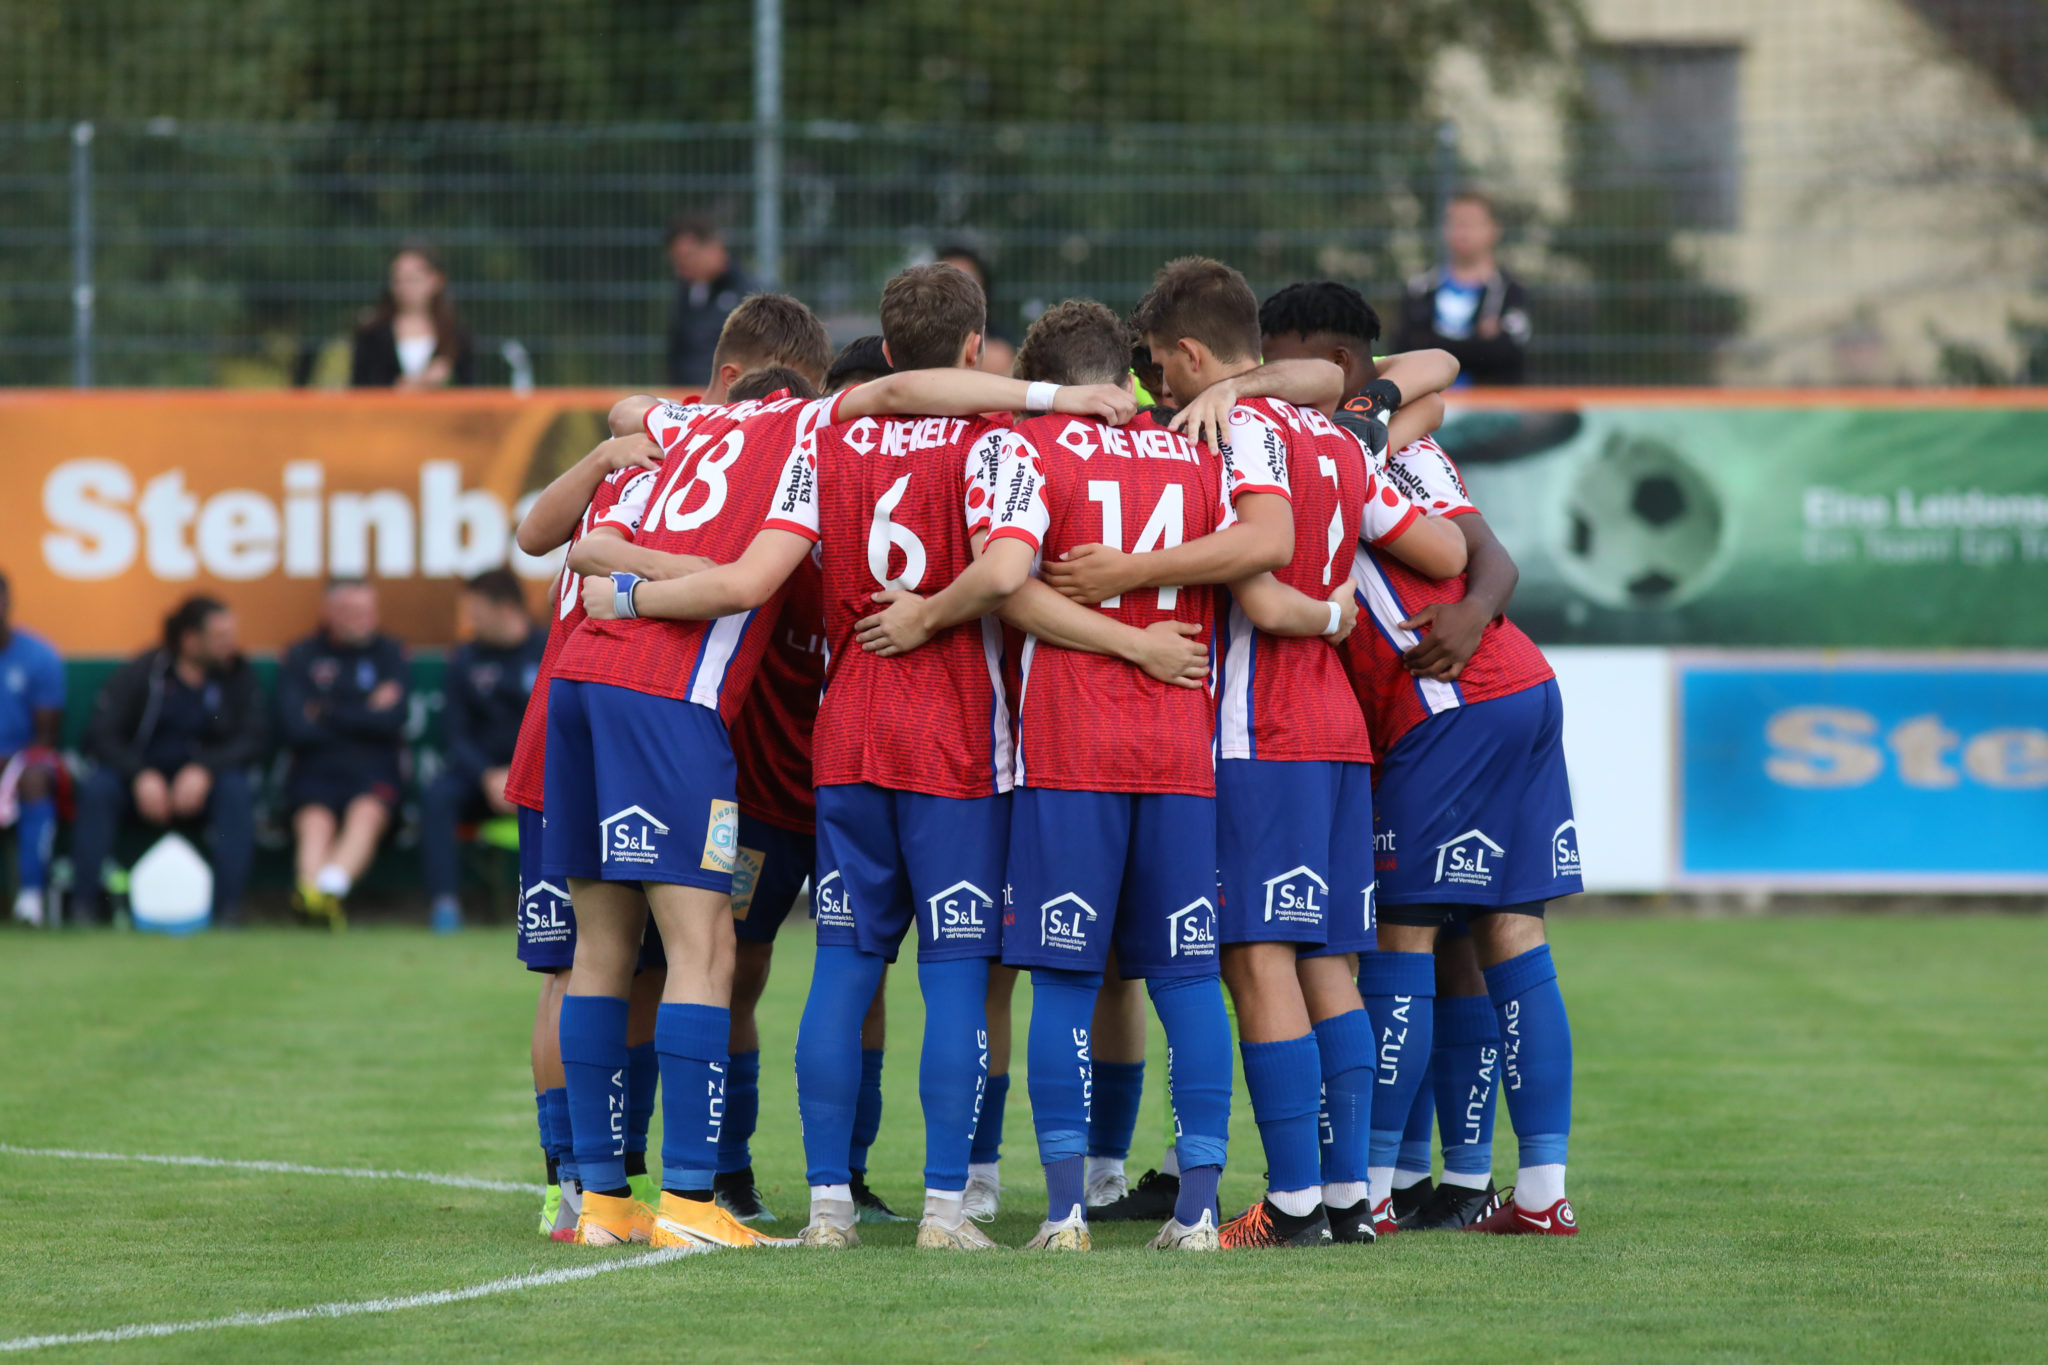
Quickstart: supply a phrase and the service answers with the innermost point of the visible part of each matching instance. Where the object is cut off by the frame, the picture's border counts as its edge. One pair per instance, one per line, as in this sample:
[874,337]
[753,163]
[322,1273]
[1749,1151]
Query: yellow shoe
[320,907]
[704,1225]
[609,1221]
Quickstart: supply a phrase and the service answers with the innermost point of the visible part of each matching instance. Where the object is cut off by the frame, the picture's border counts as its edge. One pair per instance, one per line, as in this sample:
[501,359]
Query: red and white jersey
[1281,698]
[620,500]
[1394,700]
[771,737]
[898,501]
[1089,722]
[668,421]
[740,470]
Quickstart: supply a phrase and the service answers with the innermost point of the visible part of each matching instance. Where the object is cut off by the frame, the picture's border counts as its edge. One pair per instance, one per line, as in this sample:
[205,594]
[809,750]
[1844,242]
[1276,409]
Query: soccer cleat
[645,1188]
[550,1209]
[1410,1200]
[1178,1236]
[703,1224]
[612,1221]
[823,1234]
[1105,1188]
[1263,1225]
[872,1209]
[1068,1234]
[1451,1208]
[935,1234]
[446,917]
[1148,1201]
[736,1193]
[982,1198]
[1512,1220]
[568,1213]
[28,908]
[1353,1224]
[318,907]
[1383,1224]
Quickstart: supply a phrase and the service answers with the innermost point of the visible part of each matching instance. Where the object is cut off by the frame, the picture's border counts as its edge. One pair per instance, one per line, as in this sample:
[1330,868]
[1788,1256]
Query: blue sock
[1285,1082]
[843,982]
[1060,1074]
[1464,1070]
[1344,1045]
[1399,990]
[35,834]
[1197,1085]
[1415,1138]
[560,1135]
[594,1061]
[953,1068]
[643,1069]
[1119,1091]
[540,1121]
[1535,1054]
[742,1111]
[693,1042]
[867,1113]
[988,1129]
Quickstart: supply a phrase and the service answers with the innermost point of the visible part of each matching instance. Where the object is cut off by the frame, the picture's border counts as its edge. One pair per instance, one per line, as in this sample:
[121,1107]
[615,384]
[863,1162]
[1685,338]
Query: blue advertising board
[1864,771]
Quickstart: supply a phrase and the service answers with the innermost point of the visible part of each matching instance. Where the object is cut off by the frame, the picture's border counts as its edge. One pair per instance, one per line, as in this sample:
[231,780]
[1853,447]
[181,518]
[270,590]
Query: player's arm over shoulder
[721,590]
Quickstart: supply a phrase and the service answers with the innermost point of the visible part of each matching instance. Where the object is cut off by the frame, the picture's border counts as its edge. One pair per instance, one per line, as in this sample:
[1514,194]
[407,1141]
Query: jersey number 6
[884,533]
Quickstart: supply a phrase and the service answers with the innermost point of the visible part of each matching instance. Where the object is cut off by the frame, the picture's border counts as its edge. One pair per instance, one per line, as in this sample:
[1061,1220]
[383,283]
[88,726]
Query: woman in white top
[412,339]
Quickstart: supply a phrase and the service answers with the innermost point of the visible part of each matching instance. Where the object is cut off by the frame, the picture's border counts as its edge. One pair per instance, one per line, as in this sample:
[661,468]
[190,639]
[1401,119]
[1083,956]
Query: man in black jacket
[708,287]
[488,681]
[1474,309]
[341,697]
[173,737]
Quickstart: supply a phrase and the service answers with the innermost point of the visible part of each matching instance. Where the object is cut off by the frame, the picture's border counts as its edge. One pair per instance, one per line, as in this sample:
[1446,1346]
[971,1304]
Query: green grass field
[1799,1138]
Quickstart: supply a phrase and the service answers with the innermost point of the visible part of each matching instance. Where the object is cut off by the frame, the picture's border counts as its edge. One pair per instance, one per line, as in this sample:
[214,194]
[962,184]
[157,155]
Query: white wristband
[1336,618]
[1039,397]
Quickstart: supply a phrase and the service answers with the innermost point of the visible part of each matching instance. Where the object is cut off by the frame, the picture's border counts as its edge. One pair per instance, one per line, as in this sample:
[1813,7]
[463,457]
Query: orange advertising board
[121,504]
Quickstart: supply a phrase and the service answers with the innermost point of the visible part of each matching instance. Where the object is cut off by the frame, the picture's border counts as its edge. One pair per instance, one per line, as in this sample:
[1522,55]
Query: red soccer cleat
[1383,1224]
[1512,1220]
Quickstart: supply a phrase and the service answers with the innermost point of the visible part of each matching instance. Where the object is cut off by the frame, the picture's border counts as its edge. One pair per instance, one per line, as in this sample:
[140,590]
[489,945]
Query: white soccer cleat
[831,1226]
[28,908]
[1178,1236]
[982,1198]
[1106,1187]
[935,1234]
[1068,1234]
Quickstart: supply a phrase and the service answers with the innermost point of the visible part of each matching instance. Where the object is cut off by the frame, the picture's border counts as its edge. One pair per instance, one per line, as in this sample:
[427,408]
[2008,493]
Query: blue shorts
[1475,807]
[547,923]
[1132,870]
[1353,926]
[886,858]
[772,867]
[1279,826]
[639,788]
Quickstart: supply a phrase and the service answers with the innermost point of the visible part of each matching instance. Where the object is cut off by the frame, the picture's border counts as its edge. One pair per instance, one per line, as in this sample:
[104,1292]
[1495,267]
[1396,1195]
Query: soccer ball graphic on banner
[1639,526]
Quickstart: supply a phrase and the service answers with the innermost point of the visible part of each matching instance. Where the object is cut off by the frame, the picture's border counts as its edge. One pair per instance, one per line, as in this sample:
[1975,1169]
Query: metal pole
[768,140]
[1446,183]
[81,256]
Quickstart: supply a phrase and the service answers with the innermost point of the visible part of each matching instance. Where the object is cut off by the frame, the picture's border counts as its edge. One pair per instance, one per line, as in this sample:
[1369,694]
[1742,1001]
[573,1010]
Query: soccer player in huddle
[610,487]
[1293,790]
[1475,825]
[758,531]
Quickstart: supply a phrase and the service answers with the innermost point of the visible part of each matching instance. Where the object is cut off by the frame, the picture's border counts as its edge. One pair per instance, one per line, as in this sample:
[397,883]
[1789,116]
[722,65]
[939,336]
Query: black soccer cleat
[1411,1201]
[734,1192]
[1151,1200]
[1453,1208]
[1263,1225]
[1353,1224]
[869,1204]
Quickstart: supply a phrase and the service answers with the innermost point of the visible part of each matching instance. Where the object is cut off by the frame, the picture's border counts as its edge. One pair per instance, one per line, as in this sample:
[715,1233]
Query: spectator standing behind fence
[174,736]
[1473,309]
[31,720]
[998,345]
[413,338]
[708,287]
[342,695]
[488,681]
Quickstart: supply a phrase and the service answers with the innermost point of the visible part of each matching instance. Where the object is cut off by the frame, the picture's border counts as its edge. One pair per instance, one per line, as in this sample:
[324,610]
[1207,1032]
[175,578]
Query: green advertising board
[1736,523]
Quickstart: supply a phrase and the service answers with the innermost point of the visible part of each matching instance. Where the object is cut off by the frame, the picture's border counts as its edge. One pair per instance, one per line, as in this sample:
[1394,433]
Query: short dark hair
[1150,376]
[774,329]
[858,361]
[928,312]
[698,227]
[1315,307]
[337,582]
[961,251]
[769,379]
[1203,299]
[191,614]
[498,585]
[1079,341]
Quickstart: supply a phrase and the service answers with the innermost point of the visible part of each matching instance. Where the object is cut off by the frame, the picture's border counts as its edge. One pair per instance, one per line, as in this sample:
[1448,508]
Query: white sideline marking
[356,1308]
[461,1182]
